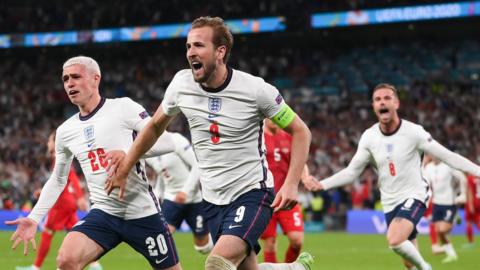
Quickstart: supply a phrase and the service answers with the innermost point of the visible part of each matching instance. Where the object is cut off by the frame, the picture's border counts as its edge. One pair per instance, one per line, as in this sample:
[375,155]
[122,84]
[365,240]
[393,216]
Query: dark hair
[385,85]
[221,34]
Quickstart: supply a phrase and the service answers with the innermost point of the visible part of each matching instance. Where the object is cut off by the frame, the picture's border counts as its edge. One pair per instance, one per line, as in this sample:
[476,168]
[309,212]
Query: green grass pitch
[332,251]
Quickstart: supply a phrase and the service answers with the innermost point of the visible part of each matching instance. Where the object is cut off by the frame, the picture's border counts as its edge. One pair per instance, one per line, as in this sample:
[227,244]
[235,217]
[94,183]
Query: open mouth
[196,65]
[383,110]
[73,92]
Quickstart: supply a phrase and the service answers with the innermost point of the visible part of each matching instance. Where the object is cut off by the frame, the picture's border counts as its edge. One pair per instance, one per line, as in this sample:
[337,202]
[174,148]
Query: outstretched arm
[352,171]
[452,159]
[27,227]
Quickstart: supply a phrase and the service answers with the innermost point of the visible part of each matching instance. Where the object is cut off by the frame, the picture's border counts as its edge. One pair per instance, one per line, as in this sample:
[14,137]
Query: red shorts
[289,220]
[59,219]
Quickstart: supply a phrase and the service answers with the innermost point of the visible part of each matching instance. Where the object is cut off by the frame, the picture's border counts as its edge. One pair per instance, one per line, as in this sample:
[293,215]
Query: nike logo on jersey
[233,226]
[160,261]
[89,145]
[210,116]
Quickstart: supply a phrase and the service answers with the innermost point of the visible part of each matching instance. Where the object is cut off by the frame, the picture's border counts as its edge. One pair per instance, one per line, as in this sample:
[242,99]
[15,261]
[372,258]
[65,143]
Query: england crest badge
[214,104]
[88,132]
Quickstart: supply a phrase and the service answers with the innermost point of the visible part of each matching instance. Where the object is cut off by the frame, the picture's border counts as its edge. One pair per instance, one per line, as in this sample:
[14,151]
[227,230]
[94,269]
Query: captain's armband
[284,117]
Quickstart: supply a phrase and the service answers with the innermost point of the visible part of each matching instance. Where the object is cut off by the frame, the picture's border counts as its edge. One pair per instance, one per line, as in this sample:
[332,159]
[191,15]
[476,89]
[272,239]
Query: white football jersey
[177,171]
[113,125]
[397,159]
[443,180]
[226,127]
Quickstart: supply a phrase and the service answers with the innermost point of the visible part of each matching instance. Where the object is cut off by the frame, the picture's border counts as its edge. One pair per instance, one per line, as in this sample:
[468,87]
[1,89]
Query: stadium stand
[328,85]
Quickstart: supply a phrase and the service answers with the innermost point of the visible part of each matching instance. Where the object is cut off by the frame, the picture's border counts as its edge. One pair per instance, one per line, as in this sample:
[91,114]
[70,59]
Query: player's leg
[77,251]
[218,260]
[443,229]
[401,229]
[151,237]
[195,218]
[436,248]
[291,222]
[173,213]
[270,249]
[88,240]
[269,238]
[45,242]
[236,227]
[443,217]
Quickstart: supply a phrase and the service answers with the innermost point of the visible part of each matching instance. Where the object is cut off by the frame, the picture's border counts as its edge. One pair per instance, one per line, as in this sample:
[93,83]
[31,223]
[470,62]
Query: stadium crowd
[50,15]
[32,103]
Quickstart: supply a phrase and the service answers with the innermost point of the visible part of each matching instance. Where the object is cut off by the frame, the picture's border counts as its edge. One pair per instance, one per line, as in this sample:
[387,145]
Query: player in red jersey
[63,215]
[472,207]
[278,144]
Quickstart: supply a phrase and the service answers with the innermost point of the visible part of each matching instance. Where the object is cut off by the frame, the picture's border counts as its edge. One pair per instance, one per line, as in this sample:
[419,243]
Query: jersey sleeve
[427,144]
[269,100]
[170,99]
[56,183]
[133,114]
[356,166]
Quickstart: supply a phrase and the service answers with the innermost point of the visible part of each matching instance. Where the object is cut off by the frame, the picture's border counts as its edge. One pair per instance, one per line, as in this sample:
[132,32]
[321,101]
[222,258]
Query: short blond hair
[88,62]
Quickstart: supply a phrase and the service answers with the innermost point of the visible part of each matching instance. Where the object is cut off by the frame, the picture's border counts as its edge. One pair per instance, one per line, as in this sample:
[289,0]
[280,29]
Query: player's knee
[269,244]
[205,249]
[394,240]
[296,243]
[216,262]
[66,261]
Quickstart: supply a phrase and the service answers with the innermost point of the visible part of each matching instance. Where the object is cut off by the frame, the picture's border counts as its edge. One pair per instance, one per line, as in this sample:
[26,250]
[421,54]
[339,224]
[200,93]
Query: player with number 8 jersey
[394,147]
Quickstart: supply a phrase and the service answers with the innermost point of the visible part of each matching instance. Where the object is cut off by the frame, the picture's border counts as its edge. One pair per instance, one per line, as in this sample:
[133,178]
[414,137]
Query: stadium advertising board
[373,222]
[395,15]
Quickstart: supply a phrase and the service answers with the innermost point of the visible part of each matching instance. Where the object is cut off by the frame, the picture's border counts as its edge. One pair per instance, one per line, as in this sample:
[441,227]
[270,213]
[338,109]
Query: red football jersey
[278,155]
[72,192]
[473,186]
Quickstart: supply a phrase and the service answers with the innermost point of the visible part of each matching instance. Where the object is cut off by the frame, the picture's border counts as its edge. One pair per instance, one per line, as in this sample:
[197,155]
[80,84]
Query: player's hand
[117,179]
[113,157]
[312,184]
[286,198]
[180,197]
[26,229]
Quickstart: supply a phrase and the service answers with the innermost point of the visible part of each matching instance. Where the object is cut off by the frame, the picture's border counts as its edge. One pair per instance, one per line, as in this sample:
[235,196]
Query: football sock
[45,241]
[292,253]
[410,253]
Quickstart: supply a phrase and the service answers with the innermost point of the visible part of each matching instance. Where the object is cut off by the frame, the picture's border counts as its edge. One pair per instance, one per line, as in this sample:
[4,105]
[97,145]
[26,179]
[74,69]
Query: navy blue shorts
[149,235]
[246,217]
[444,213]
[192,213]
[412,210]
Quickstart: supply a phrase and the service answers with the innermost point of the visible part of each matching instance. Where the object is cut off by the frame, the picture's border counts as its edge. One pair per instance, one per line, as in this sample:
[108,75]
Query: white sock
[409,252]
[281,266]
[450,250]
[205,249]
